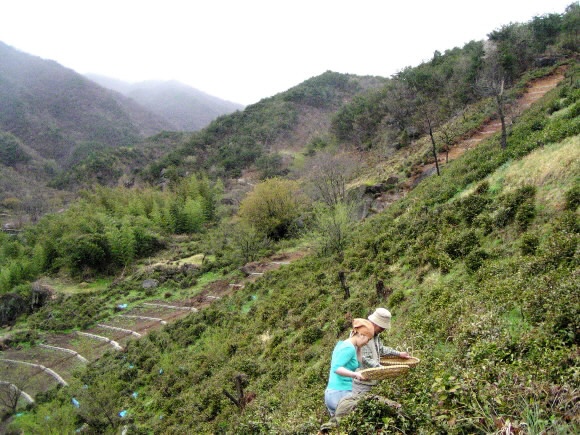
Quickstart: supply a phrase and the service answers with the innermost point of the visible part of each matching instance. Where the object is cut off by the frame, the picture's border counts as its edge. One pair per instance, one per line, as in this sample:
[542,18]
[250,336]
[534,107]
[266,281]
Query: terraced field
[25,372]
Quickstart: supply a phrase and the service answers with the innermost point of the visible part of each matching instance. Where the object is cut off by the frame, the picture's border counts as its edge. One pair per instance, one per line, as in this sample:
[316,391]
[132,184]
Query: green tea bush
[525,215]
[396,298]
[573,198]
[475,259]
[375,415]
[461,244]
[439,259]
[529,244]
[472,206]
[312,334]
[510,203]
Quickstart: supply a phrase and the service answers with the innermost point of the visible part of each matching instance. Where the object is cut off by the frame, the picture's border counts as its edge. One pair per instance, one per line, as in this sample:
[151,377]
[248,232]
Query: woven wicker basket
[396,360]
[384,372]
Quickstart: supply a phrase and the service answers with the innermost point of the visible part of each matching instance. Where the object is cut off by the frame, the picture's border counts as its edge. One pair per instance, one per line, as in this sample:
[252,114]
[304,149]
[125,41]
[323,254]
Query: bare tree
[242,399]
[430,115]
[329,174]
[343,285]
[491,83]
[12,393]
[332,226]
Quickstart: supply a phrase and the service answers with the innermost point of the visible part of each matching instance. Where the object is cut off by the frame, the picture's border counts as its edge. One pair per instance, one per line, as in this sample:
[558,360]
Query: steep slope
[479,267]
[269,133]
[53,109]
[184,107]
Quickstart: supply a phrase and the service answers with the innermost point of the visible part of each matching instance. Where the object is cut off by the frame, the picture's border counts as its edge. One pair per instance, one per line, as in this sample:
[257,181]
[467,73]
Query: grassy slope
[485,292]
[484,270]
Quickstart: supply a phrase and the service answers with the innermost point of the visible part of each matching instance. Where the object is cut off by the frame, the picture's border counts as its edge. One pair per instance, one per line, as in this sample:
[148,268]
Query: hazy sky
[246,50]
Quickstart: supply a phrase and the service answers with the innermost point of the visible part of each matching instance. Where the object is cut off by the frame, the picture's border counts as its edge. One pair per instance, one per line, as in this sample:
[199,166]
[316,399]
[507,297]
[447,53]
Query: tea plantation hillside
[218,270]
[479,267]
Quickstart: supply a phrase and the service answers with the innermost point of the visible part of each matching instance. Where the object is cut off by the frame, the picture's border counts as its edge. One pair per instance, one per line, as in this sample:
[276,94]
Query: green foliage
[235,244]
[322,91]
[473,206]
[110,228]
[358,121]
[462,244]
[270,165]
[475,259]
[573,198]
[512,205]
[484,273]
[273,207]
[231,142]
[100,401]
[47,418]
[331,227]
[68,312]
[12,305]
[529,244]
[11,151]
[546,29]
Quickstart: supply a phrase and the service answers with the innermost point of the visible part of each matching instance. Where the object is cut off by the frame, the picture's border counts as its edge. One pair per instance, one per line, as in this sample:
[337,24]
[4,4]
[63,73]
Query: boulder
[150,283]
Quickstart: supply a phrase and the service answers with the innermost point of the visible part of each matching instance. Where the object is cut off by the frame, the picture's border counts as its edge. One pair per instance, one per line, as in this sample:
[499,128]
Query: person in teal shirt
[346,358]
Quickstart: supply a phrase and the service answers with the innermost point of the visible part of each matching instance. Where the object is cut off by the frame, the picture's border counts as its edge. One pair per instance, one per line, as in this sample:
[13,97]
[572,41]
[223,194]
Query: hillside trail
[535,90]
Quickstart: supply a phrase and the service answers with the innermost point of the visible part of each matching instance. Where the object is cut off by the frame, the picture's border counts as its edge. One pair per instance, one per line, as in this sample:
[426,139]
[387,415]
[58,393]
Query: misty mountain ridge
[53,109]
[185,107]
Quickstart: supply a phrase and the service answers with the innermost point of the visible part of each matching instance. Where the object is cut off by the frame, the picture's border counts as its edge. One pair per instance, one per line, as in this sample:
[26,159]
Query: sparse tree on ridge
[492,83]
[329,174]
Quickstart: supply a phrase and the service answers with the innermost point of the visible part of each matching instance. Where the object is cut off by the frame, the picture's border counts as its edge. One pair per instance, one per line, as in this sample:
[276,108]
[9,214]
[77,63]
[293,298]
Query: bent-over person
[374,350]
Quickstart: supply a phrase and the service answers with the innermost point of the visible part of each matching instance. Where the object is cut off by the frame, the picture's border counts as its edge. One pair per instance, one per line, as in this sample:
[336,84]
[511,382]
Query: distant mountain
[53,109]
[268,133]
[185,107]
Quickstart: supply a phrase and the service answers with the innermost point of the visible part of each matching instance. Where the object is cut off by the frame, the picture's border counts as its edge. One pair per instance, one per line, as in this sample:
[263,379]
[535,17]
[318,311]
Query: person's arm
[343,371]
[367,357]
[389,351]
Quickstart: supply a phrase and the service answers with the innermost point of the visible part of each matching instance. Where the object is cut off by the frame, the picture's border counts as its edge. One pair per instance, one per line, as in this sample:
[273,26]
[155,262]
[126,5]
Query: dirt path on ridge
[536,89]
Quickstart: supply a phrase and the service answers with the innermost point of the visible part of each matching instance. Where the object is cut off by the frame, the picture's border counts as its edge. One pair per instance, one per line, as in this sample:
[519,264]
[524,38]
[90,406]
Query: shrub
[462,244]
[525,214]
[273,207]
[396,298]
[312,334]
[510,203]
[439,258]
[12,305]
[529,244]
[472,206]
[572,198]
[374,414]
[11,151]
[475,259]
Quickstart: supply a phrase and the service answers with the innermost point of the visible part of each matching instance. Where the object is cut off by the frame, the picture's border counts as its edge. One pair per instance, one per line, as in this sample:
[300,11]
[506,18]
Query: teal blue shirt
[343,355]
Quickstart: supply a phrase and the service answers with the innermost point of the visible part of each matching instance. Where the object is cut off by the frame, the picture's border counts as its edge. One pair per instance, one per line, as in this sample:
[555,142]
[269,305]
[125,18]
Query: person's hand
[359,376]
[404,355]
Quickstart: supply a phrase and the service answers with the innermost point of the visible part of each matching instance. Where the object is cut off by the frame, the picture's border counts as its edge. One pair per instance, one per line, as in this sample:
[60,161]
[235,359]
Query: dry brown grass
[552,169]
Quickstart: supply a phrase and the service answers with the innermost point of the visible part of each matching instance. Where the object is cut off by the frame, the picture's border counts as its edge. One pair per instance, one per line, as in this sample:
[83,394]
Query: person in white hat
[374,350]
